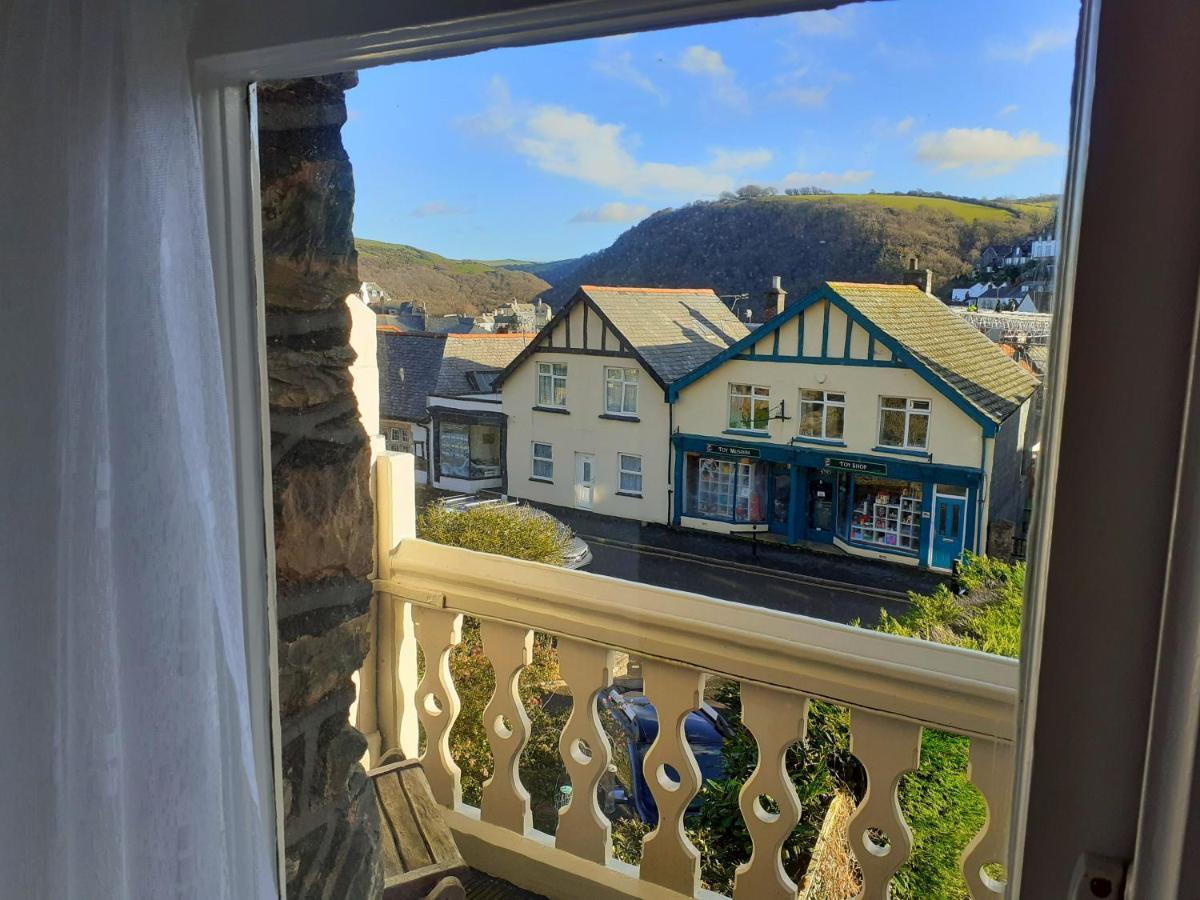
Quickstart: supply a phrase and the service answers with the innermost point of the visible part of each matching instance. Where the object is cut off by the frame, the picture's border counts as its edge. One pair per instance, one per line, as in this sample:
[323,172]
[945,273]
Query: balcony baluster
[583,829]
[777,719]
[887,748]
[505,802]
[438,632]
[668,857]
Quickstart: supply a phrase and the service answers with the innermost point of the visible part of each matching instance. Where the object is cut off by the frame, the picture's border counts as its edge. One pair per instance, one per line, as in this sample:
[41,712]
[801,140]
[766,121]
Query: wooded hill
[445,285]
[735,245]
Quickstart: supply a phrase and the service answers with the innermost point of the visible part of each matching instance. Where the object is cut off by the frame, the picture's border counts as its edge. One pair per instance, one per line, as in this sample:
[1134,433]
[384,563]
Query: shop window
[903,423]
[468,450]
[552,384]
[726,489]
[620,391]
[887,513]
[543,461]
[749,407]
[822,414]
[630,466]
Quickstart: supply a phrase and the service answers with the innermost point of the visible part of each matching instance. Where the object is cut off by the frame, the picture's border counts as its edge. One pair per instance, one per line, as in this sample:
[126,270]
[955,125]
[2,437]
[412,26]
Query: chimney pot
[776,298]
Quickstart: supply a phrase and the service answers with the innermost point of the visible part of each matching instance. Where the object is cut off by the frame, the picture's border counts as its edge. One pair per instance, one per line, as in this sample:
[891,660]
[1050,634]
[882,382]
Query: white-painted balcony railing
[893,687]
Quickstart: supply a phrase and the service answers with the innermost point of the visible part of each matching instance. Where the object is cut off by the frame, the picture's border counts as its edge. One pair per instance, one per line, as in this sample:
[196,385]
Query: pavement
[826,585]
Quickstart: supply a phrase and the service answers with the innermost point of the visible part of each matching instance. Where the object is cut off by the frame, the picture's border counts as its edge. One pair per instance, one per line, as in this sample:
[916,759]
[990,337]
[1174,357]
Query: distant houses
[439,401]
[869,418]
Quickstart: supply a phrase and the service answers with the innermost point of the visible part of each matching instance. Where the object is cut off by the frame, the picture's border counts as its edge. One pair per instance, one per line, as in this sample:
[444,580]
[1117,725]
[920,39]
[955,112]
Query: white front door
[585,479]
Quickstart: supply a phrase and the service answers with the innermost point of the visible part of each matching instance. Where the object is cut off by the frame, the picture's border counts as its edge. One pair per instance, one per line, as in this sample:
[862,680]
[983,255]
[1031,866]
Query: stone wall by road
[324,519]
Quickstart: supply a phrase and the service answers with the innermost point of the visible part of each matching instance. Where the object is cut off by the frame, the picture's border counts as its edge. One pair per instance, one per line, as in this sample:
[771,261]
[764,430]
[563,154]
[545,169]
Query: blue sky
[550,152]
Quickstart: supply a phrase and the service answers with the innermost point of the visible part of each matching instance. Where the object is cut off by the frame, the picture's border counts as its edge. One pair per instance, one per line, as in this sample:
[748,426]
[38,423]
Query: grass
[404,255]
[965,211]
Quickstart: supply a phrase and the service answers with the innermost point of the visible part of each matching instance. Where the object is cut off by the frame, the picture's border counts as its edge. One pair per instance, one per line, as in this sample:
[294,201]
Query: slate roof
[409,363]
[468,353]
[962,357]
[672,330]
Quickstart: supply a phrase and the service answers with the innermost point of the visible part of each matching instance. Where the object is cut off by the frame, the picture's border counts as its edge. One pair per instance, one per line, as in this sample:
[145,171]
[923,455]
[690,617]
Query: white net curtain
[126,768]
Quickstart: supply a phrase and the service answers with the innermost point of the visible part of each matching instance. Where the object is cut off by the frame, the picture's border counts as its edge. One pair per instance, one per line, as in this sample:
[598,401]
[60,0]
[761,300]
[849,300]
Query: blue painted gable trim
[825,292]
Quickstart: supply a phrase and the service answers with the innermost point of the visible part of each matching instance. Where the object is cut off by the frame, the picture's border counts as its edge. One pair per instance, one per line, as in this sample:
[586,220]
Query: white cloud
[827,180]
[905,125]
[620,67]
[1008,110]
[500,115]
[613,212]
[804,97]
[700,60]
[576,145]
[437,208]
[825,23]
[1039,42]
[983,151]
[707,63]
[736,160]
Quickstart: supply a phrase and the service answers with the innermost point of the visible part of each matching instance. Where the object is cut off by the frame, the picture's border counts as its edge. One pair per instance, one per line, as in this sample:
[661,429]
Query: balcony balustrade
[894,688]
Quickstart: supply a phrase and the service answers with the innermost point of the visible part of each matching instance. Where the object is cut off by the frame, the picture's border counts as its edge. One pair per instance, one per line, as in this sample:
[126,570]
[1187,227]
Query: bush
[515,531]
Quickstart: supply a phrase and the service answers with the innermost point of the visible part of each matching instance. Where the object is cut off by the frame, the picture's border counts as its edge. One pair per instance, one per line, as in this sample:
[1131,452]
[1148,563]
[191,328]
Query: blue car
[706,732]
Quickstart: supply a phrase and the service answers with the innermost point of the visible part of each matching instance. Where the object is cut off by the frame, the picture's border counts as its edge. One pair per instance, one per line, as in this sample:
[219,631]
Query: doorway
[949,514]
[781,499]
[585,480]
[820,509]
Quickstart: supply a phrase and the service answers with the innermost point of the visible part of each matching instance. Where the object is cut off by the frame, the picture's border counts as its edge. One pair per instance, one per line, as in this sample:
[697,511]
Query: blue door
[949,523]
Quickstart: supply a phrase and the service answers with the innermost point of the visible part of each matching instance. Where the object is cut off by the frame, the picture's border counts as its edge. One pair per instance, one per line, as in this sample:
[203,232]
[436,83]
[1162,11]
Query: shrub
[515,531]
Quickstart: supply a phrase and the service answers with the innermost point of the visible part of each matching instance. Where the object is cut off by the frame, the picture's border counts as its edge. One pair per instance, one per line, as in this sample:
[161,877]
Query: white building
[866,416]
[588,422]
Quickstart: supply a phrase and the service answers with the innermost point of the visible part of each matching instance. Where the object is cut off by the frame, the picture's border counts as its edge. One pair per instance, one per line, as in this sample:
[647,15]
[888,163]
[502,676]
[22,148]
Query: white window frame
[910,412]
[623,383]
[227,60]
[622,471]
[549,371]
[535,459]
[756,394]
[825,403]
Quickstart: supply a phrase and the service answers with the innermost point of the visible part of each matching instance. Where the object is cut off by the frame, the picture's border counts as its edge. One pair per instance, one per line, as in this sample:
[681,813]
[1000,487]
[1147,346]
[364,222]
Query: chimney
[922,278]
[775,300]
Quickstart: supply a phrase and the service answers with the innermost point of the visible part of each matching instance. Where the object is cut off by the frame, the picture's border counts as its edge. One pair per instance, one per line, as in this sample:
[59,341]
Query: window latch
[1098,877]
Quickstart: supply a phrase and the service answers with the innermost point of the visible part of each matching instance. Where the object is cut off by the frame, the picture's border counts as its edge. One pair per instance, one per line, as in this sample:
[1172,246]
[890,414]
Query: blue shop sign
[731,450]
[854,465]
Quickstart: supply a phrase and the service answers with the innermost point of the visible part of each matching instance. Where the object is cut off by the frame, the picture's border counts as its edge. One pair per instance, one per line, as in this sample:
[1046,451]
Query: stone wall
[320,456]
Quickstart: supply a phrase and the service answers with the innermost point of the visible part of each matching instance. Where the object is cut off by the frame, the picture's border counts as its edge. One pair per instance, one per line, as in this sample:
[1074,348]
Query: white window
[631,473]
[903,423]
[552,384]
[399,439]
[822,414]
[749,406]
[543,461]
[620,391]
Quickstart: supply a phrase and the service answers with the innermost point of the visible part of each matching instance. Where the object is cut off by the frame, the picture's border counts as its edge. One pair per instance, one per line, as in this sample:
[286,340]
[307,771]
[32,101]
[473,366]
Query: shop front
[468,449]
[912,512]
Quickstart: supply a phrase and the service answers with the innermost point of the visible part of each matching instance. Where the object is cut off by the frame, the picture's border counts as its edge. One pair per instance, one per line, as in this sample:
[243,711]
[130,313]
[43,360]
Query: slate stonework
[324,519]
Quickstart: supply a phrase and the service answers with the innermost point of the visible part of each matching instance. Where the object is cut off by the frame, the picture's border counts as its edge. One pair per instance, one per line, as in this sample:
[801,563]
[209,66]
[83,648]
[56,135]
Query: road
[745,583]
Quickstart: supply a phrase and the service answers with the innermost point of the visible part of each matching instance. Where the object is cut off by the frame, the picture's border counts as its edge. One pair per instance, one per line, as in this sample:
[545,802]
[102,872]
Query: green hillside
[962,209]
[735,245]
[445,285]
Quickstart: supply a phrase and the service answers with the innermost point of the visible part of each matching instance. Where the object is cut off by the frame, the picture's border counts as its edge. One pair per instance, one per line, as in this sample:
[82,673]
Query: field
[966,211]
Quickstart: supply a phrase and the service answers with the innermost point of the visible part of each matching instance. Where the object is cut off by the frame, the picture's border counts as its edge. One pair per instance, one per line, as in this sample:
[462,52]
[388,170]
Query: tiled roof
[1039,356]
[673,330]
[409,363]
[963,358]
[467,353]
